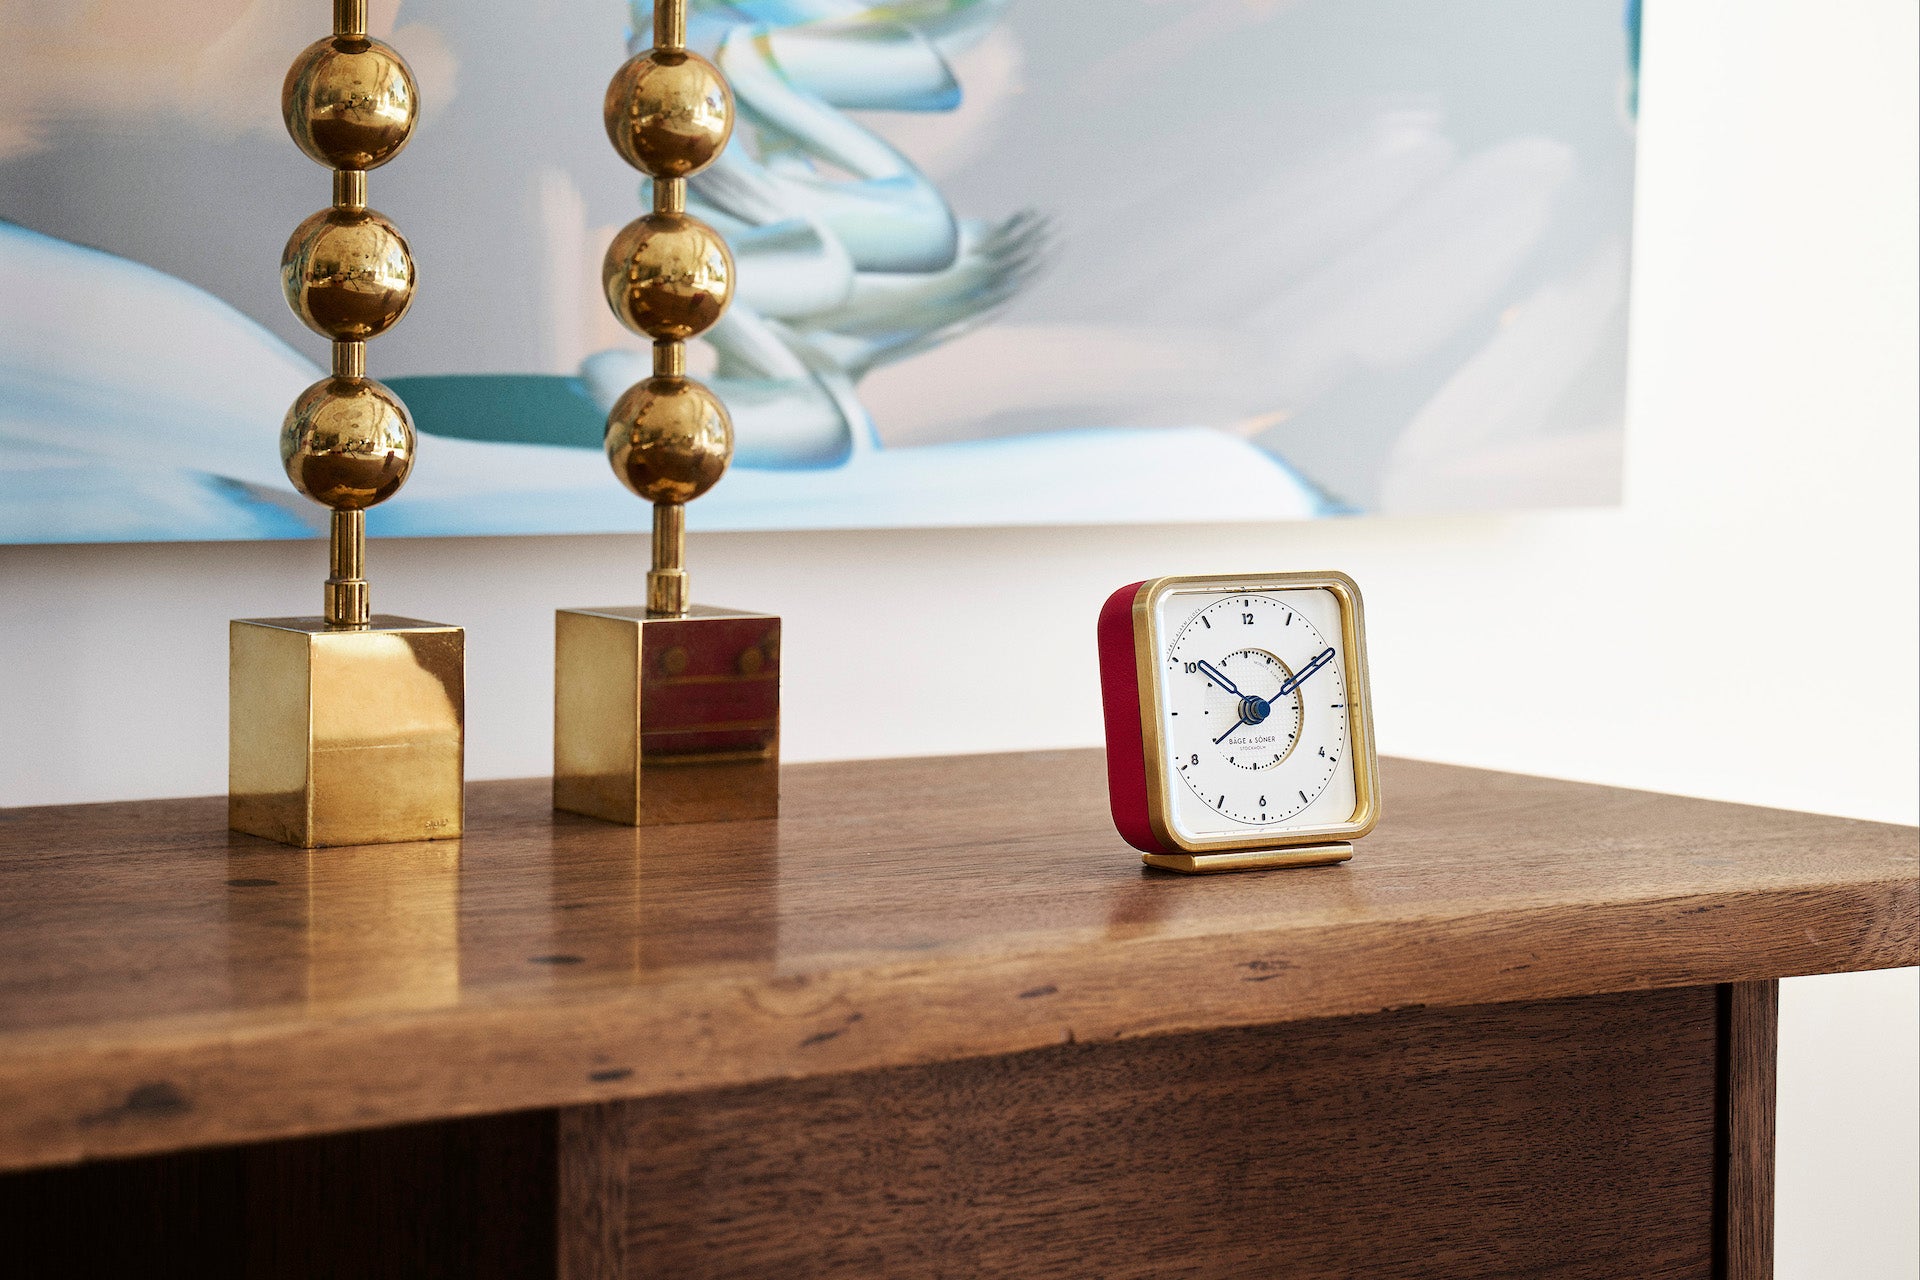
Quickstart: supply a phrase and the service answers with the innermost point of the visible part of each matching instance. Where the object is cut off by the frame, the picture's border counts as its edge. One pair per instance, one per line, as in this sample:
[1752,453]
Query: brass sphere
[669,439]
[668,112]
[668,275]
[347,443]
[347,273]
[350,102]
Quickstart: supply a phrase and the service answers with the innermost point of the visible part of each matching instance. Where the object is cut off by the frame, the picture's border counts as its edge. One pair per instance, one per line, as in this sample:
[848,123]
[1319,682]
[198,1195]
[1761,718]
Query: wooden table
[935,1020]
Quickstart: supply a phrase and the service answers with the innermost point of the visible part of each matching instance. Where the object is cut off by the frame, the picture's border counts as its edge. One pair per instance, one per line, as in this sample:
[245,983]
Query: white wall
[1743,628]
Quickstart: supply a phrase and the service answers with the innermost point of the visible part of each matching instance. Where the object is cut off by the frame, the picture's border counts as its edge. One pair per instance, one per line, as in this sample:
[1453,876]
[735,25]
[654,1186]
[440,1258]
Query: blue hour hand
[1253,710]
[1212,673]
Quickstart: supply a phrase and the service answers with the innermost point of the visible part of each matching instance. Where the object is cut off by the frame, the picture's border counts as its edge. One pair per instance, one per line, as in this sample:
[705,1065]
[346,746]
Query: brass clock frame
[1299,846]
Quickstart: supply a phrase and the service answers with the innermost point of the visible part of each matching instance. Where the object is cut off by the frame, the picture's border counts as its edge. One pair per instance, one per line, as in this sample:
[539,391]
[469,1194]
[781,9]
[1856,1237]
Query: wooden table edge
[69,1095]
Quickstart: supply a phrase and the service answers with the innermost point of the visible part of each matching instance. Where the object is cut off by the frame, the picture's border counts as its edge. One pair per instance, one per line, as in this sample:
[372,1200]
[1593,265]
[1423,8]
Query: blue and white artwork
[1000,262]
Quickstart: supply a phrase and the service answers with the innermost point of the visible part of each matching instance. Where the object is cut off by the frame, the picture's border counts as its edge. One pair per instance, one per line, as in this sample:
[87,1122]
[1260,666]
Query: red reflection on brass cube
[664,720]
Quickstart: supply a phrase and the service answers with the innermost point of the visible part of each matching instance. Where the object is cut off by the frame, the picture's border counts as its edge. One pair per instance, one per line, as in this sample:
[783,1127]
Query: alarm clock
[1239,727]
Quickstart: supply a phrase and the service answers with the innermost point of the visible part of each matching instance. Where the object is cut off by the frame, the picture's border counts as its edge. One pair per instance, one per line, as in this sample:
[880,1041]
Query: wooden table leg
[593,1176]
[1750,1012]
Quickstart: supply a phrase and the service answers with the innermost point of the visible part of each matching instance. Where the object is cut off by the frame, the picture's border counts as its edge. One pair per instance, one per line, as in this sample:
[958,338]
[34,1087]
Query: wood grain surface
[1536,1140]
[165,984]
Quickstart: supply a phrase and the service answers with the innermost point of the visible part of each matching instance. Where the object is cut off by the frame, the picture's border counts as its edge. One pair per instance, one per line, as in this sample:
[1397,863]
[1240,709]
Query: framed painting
[1000,262]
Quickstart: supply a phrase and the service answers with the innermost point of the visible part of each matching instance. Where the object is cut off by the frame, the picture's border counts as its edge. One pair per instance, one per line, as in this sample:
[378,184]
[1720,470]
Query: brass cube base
[1299,855]
[666,719]
[345,735]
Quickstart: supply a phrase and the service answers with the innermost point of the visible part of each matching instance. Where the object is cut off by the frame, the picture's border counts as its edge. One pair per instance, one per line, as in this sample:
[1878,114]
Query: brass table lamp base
[666,719]
[345,735]
[348,728]
[669,713]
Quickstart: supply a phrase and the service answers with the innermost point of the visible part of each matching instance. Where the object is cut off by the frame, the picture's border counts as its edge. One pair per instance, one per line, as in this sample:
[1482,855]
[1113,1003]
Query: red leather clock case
[1126,743]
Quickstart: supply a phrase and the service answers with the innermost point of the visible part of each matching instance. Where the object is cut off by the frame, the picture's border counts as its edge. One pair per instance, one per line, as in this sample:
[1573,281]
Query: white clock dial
[1254,711]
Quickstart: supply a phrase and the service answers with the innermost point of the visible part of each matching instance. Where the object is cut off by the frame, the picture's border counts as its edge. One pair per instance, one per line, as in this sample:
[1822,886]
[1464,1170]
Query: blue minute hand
[1300,677]
[1212,673]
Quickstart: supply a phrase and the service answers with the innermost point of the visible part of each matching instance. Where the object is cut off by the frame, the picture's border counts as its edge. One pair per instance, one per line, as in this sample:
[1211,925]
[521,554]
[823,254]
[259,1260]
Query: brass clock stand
[1299,855]
[347,728]
[668,713]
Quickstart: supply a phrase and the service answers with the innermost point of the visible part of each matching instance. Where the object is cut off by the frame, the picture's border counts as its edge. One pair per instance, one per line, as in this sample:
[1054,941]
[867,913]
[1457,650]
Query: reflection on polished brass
[348,930]
[350,102]
[347,728]
[668,113]
[668,275]
[666,720]
[347,274]
[346,735]
[669,439]
[1200,864]
[347,443]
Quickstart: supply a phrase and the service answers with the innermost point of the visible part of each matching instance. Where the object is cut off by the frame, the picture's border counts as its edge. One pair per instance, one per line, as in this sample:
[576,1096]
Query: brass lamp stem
[350,188]
[670,24]
[668,277]
[667,591]
[349,359]
[667,580]
[350,17]
[346,603]
[669,360]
